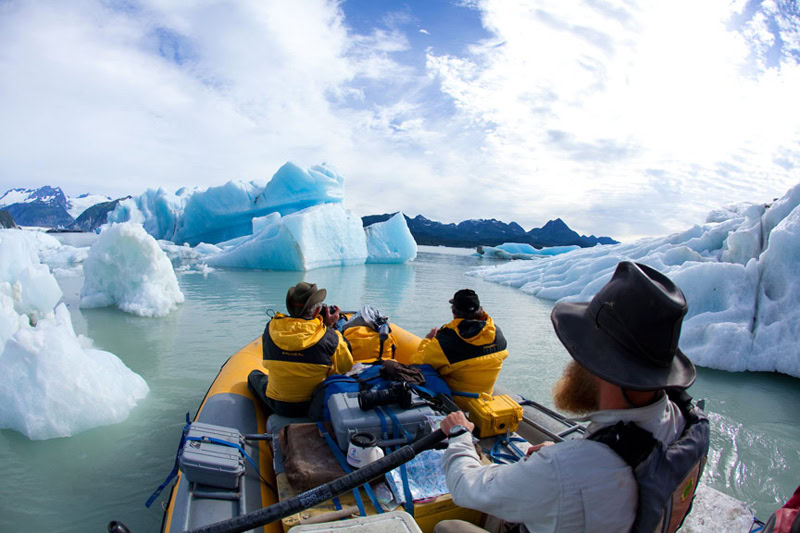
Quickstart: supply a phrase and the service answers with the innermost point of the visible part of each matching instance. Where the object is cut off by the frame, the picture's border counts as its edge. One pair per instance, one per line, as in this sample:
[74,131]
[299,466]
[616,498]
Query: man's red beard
[576,390]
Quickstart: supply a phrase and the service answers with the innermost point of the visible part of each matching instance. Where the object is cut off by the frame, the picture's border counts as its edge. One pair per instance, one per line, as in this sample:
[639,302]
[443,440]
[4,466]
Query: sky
[626,119]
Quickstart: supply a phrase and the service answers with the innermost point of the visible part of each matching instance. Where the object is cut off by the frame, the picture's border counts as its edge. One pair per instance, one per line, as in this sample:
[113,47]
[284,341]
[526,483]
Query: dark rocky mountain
[6,220]
[472,233]
[45,206]
[95,216]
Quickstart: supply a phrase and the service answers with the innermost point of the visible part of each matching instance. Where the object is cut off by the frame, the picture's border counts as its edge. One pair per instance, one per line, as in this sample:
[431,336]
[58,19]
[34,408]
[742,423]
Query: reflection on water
[82,482]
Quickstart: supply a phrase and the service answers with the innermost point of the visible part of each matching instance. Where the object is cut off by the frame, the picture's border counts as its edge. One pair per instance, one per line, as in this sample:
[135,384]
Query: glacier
[740,272]
[54,383]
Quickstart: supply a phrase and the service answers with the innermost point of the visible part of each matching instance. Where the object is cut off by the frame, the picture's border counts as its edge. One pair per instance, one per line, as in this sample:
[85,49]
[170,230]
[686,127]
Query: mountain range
[491,232]
[50,207]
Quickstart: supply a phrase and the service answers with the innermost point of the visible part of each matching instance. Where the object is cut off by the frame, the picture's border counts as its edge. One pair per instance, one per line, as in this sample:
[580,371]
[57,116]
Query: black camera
[397,392]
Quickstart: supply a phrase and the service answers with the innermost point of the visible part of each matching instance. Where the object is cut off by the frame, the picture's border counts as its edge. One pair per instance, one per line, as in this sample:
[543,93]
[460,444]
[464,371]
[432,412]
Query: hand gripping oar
[327,491]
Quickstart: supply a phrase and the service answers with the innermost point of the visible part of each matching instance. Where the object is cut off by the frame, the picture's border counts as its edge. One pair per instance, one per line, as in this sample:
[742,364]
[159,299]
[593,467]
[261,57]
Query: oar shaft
[325,492]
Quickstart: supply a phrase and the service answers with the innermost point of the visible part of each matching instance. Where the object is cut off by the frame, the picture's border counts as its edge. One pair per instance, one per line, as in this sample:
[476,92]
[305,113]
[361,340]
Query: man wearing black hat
[300,351]
[646,444]
[468,352]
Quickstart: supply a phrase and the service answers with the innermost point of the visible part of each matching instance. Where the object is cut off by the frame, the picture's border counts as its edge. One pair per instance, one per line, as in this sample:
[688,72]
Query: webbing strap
[507,441]
[384,424]
[174,472]
[238,447]
[465,394]
[409,503]
[425,391]
[346,467]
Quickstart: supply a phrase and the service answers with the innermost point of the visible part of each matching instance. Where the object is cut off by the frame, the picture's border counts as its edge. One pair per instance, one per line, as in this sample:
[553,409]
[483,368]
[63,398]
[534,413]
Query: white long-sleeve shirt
[577,485]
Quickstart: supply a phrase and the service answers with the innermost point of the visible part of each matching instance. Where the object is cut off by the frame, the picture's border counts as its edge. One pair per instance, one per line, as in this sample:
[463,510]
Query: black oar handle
[325,492]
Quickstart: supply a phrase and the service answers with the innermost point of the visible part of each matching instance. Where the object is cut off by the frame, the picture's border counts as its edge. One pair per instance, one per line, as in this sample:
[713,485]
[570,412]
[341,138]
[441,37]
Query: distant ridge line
[490,232]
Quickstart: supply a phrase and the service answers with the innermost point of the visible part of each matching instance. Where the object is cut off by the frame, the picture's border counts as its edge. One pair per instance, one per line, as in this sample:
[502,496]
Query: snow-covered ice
[127,268]
[319,236]
[53,382]
[519,250]
[740,272]
[390,241]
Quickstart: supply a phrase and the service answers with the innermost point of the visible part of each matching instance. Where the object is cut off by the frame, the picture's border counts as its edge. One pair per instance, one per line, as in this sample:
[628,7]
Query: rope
[175,467]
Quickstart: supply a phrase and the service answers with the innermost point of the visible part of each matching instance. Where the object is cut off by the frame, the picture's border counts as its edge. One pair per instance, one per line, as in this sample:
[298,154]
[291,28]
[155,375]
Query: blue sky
[627,118]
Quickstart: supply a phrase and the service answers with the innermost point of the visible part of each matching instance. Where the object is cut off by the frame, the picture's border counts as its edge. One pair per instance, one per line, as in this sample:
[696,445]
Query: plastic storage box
[212,464]
[494,415]
[348,418]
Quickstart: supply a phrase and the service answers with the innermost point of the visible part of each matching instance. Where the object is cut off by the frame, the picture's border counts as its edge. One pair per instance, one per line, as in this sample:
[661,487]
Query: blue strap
[174,472]
[346,467]
[423,390]
[231,445]
[465,394]
[384,424]
[506,441]
[337,504]
[409,503]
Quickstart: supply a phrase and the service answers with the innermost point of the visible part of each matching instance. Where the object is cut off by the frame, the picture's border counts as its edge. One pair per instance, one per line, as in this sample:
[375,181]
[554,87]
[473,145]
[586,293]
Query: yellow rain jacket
[365,344]
[468,354]
[299,354]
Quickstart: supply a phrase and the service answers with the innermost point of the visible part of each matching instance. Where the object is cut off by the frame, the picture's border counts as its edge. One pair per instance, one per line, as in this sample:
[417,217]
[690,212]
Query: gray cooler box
[347,418]
[212,464]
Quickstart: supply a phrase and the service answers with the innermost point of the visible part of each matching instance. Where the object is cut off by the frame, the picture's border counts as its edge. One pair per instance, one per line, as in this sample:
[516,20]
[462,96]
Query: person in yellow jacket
[467,352]
[300,351]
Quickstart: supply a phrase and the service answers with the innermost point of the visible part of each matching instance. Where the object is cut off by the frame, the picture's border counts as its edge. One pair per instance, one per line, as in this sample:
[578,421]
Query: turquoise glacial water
[82,482]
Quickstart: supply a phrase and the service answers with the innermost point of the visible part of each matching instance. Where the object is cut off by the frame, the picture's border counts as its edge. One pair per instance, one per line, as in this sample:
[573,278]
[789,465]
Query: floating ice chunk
[776,345]
[126,268]
[222,213]
[54,384]
[9,318]
[39,291]
[520,250]
[739,272]
[33,290]
[316,237]
[390,241]
[292,188]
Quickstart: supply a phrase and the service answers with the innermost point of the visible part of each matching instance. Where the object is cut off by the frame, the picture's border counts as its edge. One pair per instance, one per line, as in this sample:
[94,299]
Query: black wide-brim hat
[628,333]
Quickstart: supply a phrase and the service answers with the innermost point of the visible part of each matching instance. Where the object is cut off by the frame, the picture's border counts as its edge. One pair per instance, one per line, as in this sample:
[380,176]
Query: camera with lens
[397,392]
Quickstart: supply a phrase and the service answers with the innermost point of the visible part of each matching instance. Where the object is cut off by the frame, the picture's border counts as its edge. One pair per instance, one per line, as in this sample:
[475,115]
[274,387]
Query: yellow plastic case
[494,415]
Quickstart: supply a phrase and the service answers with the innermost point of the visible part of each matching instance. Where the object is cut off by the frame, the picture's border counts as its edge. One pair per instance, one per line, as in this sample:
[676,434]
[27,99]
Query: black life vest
[456,349]
[666,476]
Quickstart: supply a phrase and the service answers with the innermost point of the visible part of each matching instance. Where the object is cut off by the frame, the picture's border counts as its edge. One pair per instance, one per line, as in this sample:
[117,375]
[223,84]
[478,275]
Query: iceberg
[738,270]
[53,383]
[222,213]
[297,221]
[390,241]
[126,267]
[520,250]
[315,237]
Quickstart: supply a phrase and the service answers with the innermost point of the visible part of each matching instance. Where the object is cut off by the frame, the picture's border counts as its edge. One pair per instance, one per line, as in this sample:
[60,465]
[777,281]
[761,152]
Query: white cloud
[582,103]
[622,119]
